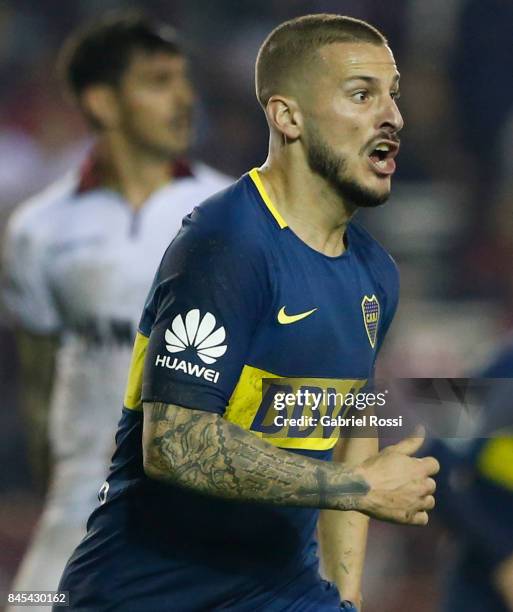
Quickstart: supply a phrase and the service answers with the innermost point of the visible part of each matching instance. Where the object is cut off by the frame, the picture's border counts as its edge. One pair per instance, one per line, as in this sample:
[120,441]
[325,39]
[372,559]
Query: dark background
[449,223]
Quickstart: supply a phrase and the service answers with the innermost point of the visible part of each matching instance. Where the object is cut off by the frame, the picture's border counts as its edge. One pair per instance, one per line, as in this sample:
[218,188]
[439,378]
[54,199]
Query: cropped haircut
[288,48]
[100,52]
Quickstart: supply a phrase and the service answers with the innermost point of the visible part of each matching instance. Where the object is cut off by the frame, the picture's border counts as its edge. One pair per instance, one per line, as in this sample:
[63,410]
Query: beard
[332,167]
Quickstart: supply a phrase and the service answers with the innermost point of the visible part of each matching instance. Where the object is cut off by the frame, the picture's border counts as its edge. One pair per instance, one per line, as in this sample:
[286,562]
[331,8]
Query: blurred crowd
[449,223]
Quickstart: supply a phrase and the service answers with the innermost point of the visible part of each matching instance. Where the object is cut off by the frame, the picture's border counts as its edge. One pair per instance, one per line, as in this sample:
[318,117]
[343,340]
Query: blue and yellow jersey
[238,298]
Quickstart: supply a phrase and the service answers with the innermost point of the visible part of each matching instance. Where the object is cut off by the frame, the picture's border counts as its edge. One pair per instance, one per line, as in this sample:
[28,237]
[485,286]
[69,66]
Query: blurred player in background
[80,258]
[475,501]
[269,278]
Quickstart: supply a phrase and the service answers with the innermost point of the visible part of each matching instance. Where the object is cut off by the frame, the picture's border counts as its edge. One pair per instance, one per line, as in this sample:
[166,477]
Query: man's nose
[391,116]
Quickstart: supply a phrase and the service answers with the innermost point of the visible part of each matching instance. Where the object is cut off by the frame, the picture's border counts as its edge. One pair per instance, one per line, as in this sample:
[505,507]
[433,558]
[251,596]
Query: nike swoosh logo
[286,319]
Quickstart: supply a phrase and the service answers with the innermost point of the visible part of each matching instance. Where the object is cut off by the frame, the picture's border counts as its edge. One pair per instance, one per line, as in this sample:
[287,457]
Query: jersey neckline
[92,172]
[282,224]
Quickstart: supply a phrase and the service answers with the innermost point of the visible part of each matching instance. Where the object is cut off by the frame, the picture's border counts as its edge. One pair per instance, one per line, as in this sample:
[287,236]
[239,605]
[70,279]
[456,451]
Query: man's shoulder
[209,176]
[37,215]
[230,217]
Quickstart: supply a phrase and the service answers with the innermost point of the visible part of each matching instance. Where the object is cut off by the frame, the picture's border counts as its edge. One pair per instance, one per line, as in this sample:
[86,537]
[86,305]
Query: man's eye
[360,96]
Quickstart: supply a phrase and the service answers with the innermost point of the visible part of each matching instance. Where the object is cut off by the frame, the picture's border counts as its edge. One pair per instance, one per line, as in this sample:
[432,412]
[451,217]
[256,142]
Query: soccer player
[81,256]
[269,278]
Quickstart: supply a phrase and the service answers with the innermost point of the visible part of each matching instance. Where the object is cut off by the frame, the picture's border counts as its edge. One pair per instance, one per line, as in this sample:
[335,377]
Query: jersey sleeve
[208,296]
[26,288]
[390,289]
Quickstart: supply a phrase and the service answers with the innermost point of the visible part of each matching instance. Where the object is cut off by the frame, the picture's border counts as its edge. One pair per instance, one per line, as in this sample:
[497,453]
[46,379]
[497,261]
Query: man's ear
[285,116]
[100,104]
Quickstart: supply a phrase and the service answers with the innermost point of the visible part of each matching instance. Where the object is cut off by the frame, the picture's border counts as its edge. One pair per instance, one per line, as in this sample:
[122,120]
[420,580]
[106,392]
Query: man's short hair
[100,52]
[289,46]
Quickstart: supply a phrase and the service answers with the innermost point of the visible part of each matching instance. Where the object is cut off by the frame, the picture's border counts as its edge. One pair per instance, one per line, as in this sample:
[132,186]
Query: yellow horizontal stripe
[133,391]
[255,177]
[247,398]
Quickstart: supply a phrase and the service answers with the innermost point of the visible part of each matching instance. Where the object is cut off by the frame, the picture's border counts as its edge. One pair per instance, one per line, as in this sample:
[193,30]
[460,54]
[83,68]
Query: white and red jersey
[79,262]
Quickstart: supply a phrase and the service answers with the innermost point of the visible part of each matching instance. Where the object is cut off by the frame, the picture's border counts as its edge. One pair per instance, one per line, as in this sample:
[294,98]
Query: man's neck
[133,173]
[312,209]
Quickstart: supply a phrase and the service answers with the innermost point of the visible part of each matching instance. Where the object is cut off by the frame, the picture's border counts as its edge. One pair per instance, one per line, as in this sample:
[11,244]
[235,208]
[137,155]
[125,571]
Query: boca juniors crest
[370,311]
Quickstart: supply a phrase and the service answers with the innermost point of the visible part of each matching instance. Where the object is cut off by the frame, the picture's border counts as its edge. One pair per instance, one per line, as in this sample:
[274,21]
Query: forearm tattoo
[206,453]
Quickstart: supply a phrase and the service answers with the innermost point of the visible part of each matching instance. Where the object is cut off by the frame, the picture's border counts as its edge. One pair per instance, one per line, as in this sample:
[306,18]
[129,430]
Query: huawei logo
[197,333]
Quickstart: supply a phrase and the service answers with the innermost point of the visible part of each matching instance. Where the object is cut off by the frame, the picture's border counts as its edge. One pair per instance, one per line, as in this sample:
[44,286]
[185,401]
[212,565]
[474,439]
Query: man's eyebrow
[361,77]
[370,79]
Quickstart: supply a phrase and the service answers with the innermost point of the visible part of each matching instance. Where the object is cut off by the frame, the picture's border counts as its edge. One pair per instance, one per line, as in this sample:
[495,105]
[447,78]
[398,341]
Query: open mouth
[382,157]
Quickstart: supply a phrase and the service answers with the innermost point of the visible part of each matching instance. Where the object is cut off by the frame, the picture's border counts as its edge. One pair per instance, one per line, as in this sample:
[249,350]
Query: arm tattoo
[343,566]
[206,453]
[158,412]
